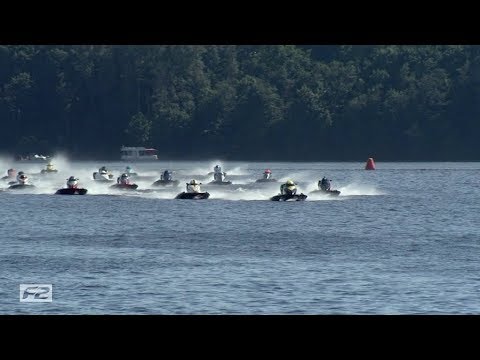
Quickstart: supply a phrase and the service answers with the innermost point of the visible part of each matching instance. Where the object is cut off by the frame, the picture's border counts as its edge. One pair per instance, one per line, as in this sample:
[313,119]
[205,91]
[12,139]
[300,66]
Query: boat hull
[299,197]
[124,186]
[193,196]
[220,182]
[166,183]
[326,192]
[48,171]
[21,186]
[68,191]
[266,180]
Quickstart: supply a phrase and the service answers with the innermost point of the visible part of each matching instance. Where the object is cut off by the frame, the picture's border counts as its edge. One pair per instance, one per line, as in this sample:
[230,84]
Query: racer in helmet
[289,188]
[193,186]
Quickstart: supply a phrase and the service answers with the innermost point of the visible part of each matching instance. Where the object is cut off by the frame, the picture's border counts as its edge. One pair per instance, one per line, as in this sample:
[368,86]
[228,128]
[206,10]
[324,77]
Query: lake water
[403,239]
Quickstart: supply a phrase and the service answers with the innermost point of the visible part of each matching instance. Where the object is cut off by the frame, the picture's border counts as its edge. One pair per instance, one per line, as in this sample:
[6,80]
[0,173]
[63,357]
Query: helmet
[290,182]
[193,182]
[268,171]
[124,176]
[72,178]
[128,168]
[20,173]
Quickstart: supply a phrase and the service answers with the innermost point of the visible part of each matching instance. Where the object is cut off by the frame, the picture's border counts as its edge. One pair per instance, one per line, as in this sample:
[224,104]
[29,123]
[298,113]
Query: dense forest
[270,102]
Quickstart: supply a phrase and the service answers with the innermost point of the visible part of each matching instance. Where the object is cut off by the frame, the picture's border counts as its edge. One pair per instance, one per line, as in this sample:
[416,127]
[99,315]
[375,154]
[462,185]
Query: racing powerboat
[49,169]
[288,192]
[324,187]
[166,179]
[11,176]
[193,192]
[103,175]
[123,183]
[267,177]
[22,182]
[219,176]
[72,188]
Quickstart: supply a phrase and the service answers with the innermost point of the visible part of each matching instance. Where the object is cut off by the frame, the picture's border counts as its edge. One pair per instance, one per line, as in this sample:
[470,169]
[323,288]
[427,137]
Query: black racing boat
[215,182]
[162,182]
[263,180]
[21,186]
[288,197]
[124,186]
[193,196]
[326,192]
[70,191]
[103,177]
[46,171]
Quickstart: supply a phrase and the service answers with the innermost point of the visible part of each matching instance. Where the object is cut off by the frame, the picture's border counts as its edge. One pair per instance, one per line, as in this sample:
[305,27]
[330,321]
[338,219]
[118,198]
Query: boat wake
[241,194]
[244,185]
[355,189]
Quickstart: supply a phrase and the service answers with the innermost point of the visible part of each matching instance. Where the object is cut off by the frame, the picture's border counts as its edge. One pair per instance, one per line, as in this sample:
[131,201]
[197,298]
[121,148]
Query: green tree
[139,129]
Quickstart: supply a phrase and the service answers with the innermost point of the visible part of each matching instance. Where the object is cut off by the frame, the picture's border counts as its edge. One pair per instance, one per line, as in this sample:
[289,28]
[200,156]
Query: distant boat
[130,153]
[33,158]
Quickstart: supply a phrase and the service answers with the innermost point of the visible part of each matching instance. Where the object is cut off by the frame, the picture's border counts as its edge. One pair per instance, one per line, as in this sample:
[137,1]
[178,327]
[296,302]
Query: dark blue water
[402,239]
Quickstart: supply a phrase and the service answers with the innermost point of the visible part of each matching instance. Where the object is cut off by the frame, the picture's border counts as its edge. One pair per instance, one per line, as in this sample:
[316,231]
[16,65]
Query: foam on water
[355,189]
[142,252]
[244,186]
[241,194]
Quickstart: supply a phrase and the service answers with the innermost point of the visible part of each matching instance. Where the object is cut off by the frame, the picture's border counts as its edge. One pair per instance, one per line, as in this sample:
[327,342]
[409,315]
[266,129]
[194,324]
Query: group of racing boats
[288,190]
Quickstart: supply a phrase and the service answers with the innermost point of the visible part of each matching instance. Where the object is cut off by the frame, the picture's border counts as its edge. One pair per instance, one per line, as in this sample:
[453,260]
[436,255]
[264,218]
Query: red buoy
[370,164]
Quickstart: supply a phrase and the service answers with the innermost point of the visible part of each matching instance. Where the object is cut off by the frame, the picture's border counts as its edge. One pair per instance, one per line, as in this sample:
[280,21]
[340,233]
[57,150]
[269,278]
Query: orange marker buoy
[370,164]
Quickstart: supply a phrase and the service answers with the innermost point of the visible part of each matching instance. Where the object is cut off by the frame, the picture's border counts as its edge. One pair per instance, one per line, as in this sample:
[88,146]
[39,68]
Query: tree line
[272,102]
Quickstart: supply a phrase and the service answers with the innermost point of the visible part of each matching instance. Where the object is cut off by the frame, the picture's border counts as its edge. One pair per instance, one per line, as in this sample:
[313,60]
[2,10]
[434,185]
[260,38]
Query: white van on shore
[130,153]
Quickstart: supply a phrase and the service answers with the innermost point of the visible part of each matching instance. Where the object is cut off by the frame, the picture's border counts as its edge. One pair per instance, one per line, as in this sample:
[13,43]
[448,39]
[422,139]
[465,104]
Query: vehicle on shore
[138,153]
